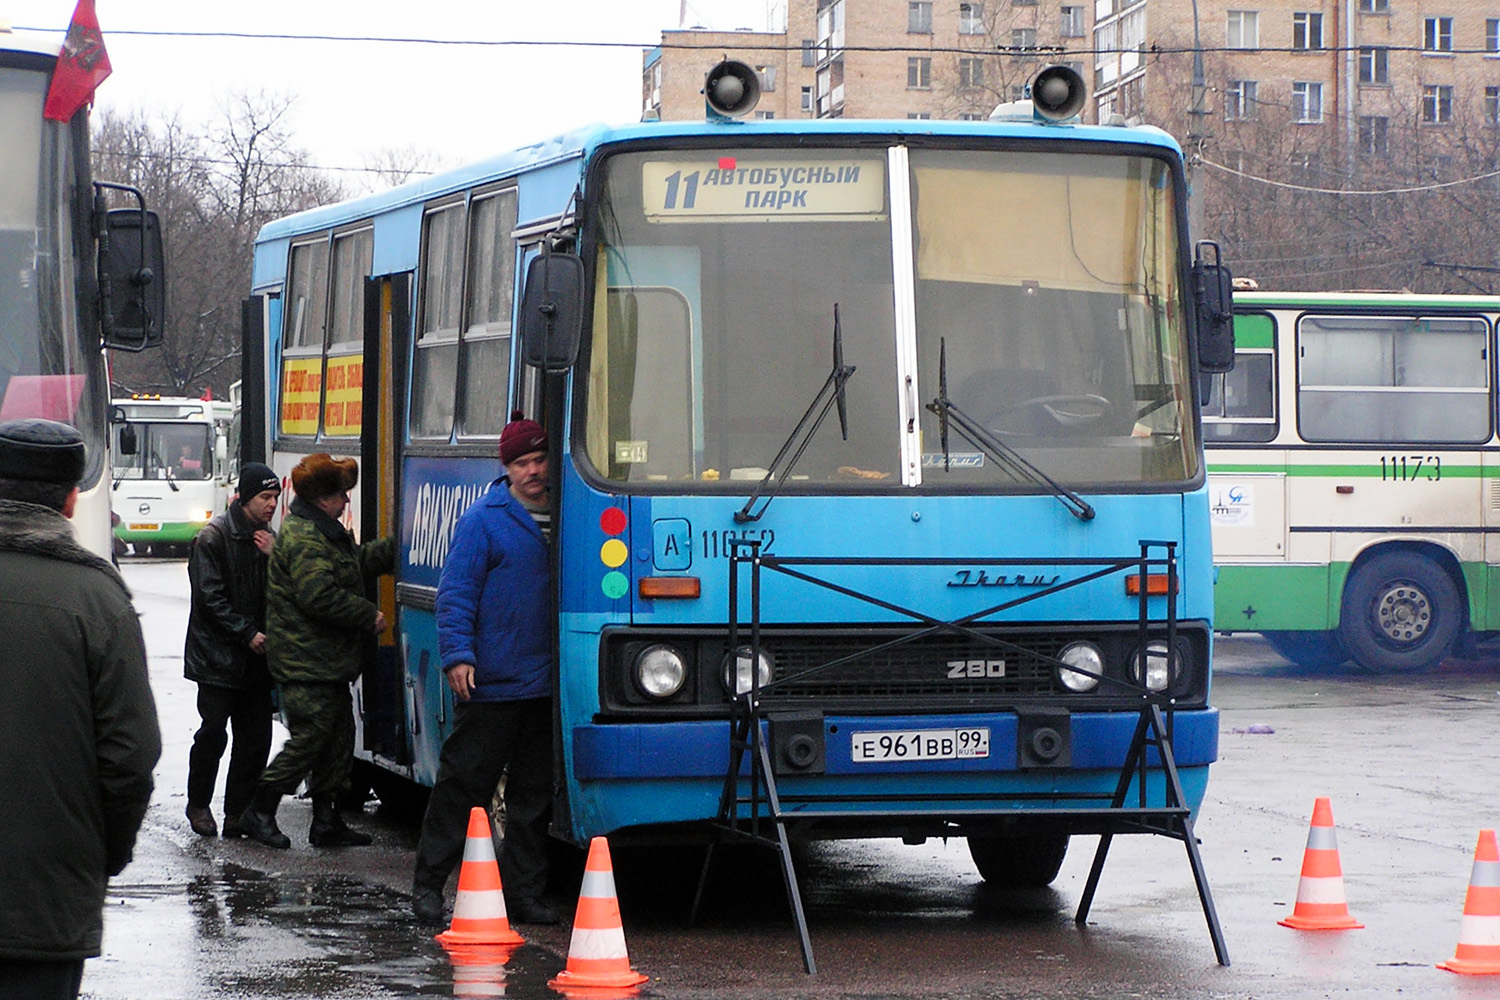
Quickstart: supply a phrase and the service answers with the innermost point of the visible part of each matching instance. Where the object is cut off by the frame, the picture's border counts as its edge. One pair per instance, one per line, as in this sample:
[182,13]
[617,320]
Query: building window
[1307,101]
[918,73]
[1492,34]
[807,98]
[1243,29]
[919,115]
[767,78]
[1307,30]
[1023,39]
[919,17]
[1239,100]
[1306,163]
[1072,22]
[1372,130]
[809,51]
[971,116]
[971,19]
[971,72]
[1437,34]
[1492,106]
[1374,6]
[1374,65]
[763,115]
[1437,104]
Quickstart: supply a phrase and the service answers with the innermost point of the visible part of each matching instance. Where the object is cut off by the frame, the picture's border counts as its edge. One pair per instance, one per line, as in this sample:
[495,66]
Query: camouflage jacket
[318,619]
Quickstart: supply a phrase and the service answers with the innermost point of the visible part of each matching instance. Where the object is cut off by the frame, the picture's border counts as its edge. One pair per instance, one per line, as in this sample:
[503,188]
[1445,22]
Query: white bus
[171,469]
[74,274]
[1354,473]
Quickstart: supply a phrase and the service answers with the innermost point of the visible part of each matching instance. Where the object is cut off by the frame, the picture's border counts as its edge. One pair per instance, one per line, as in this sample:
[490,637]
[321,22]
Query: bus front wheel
[1019,862]
[1401,612]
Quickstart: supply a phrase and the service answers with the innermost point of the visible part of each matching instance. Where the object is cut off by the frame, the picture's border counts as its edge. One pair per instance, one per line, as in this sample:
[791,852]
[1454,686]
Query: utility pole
[1197,135]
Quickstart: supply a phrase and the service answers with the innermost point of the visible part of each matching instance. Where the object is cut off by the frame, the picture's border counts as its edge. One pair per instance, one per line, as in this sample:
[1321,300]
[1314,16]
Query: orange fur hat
[321,475]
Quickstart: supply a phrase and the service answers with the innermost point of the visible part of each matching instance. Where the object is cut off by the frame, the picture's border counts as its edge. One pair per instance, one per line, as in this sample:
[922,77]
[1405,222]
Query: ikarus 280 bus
[880,506]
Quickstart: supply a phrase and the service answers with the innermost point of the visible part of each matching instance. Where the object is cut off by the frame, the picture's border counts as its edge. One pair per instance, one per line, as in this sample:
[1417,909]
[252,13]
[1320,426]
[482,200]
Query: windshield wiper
[949,412]
[831,393]
[166,471]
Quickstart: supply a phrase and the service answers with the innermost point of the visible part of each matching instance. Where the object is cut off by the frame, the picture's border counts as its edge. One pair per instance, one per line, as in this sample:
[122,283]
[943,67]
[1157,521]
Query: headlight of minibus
[1085,656]
[737,670]
[660,671]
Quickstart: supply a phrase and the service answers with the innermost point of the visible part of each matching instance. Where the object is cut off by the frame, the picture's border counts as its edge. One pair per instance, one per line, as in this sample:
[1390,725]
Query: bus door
[367,385]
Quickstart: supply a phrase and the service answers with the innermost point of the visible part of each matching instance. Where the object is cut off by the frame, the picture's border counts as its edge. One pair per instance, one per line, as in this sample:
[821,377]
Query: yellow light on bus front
[1156,584]
[671,586]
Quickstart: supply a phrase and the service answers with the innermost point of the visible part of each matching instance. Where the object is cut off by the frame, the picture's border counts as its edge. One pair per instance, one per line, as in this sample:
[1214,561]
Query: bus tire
[1029,862]
[1401,613]
[1308,649]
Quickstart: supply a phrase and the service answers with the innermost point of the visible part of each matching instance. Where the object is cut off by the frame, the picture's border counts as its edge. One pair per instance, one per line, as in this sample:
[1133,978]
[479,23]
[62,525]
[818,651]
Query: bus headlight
[737,670]
[660,671]
[1159,674]
[1085,656]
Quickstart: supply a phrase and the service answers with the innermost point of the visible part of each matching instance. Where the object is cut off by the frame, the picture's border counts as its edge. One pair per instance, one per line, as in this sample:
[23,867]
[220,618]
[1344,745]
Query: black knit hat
[255,479]
[41,451]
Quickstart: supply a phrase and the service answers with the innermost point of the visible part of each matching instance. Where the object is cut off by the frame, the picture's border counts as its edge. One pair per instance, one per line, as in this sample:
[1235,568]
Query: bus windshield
[1044,287]
[167,451]
[45,368]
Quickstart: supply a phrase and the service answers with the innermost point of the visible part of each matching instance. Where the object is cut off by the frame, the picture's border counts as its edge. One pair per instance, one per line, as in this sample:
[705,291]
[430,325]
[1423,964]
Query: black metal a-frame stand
[751,808]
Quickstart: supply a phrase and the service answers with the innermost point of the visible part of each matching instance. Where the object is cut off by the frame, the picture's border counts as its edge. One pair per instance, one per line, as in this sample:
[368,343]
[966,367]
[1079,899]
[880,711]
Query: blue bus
[884,433]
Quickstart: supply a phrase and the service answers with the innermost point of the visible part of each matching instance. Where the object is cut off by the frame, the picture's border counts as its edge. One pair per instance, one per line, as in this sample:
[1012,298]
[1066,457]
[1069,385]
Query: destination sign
[742,189]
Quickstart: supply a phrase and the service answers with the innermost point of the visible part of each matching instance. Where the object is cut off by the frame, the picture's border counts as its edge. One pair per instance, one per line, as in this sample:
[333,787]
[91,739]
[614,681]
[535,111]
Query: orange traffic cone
[1479,933]
[479,911]
[1320,895]
[596,955]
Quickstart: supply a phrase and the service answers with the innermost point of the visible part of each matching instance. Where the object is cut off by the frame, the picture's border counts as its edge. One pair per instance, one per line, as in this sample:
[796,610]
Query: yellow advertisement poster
[343,408]
[301,393]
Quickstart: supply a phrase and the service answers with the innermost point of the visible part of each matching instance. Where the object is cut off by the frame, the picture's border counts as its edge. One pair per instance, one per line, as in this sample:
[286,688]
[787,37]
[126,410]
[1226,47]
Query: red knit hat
[521,437]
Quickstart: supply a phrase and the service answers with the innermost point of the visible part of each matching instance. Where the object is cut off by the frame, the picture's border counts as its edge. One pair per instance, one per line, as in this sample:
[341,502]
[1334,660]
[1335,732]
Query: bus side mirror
[132,280]
[552,311]
[128,443]
[1213,294]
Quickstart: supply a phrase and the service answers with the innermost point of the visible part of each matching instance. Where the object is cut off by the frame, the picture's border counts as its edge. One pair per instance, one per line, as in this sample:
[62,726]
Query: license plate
[919,744]
[145,527]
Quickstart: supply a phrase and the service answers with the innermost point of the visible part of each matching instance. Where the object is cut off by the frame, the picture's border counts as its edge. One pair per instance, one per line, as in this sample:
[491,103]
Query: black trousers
[487,737]
[21,980]
[249,713]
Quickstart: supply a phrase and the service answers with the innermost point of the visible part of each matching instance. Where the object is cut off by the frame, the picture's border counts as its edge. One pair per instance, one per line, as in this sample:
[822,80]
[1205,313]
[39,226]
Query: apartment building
[1354,73]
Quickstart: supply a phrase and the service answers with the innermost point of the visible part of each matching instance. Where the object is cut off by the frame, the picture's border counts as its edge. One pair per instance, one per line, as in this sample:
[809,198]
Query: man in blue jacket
[495,620]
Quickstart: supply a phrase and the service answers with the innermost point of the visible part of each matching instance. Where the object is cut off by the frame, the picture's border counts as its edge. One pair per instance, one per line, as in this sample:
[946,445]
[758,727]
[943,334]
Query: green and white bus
[1354,476]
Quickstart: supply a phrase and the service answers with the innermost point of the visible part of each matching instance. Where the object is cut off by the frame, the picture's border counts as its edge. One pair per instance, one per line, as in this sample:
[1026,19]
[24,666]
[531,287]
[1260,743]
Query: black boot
[259,821]
[328,827]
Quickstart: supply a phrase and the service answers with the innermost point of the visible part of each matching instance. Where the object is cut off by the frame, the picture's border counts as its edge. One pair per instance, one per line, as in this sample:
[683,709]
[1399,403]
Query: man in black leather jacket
[225,651]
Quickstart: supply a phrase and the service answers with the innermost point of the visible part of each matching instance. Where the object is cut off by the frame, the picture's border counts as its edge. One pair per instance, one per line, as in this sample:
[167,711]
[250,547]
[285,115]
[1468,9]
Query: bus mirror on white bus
[552,311]
[1213,291]
[132,280]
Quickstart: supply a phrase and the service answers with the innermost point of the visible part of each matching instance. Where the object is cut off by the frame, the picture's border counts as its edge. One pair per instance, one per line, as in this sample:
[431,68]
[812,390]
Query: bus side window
[1242,404]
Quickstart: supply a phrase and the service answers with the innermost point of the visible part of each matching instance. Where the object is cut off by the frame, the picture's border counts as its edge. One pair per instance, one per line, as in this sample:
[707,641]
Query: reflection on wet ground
[248,934]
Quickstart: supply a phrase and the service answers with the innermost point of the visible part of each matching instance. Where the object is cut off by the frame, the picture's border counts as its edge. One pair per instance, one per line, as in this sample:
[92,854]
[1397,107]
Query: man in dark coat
[78,729]
[318,621]
[225,651]
[495,621]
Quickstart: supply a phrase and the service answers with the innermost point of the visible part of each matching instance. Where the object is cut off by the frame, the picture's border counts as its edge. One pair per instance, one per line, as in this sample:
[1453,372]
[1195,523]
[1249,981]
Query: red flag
[81,66]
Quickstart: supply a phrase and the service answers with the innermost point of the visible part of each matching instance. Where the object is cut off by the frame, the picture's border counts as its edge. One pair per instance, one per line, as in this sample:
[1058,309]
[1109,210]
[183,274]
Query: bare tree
[213,192]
